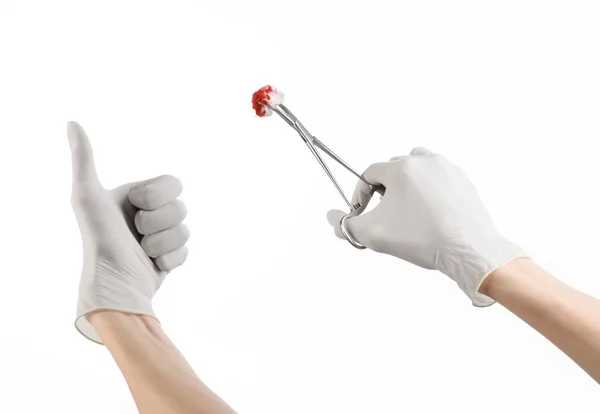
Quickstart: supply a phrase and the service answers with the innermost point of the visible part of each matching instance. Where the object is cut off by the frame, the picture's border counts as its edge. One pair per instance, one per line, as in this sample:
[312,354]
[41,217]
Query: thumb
[82,156]
[334,217]
[355,225]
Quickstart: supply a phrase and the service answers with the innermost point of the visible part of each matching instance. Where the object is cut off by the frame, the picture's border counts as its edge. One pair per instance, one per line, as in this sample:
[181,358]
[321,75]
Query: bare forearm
[568,318]
[159,377]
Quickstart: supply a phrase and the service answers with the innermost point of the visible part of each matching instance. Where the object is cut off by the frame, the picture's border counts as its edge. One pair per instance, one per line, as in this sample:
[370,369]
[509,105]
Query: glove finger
[334,217]
[413,152]
[376,174]
[357,226]
[399,157]
[155,193]
[420,151]
[148,222]
[362,195]
[82,157]
[169,261]
[166,241]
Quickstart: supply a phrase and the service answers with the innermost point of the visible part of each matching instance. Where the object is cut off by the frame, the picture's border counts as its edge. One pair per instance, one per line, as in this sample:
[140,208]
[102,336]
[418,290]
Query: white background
[275,313]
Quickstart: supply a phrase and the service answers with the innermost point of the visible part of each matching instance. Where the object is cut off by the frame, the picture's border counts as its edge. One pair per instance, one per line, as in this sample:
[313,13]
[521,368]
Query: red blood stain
[261,95]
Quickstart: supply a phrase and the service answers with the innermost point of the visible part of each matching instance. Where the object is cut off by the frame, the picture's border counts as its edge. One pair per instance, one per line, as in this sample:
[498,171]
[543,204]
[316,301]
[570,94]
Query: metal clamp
[313,143]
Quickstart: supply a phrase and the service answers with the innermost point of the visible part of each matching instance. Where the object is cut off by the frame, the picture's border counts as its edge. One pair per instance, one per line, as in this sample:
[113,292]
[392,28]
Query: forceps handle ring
[347,235]
[374,189]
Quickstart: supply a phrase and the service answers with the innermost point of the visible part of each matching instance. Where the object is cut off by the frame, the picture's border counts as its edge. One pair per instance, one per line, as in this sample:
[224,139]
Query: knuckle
[148,195]
[162,264]
[397,158]
[147,245]
[438,158]
[370,170]
[184,232]
[139,220]
[404,166]
[181,209]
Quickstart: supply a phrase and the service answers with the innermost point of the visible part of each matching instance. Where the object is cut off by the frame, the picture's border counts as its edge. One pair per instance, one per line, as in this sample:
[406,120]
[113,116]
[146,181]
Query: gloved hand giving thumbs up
[132,237]
[431,215]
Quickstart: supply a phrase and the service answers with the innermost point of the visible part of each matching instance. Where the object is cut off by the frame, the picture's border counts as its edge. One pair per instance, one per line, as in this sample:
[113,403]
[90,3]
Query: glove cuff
[134,304]
[470,263]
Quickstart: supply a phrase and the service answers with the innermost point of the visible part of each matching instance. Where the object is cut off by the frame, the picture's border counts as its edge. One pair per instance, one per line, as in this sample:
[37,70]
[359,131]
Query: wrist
[104,307]
[115,327]
[515,272]
[470,262]
[109,317]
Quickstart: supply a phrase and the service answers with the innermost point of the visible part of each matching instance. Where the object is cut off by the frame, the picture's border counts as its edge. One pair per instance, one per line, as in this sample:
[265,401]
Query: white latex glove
[431,215]
[132,237]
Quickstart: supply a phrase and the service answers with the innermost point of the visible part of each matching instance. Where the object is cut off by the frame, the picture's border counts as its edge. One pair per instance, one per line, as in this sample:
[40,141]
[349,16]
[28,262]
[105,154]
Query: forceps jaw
[291,120]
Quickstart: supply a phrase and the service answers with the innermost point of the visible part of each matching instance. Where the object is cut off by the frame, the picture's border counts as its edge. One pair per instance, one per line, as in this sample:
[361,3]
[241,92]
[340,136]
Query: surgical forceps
[313,143]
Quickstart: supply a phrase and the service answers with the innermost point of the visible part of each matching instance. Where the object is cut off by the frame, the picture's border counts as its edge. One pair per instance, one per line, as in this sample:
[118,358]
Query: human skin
[432,216]
[133,236]
[566,317]
[160,379]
